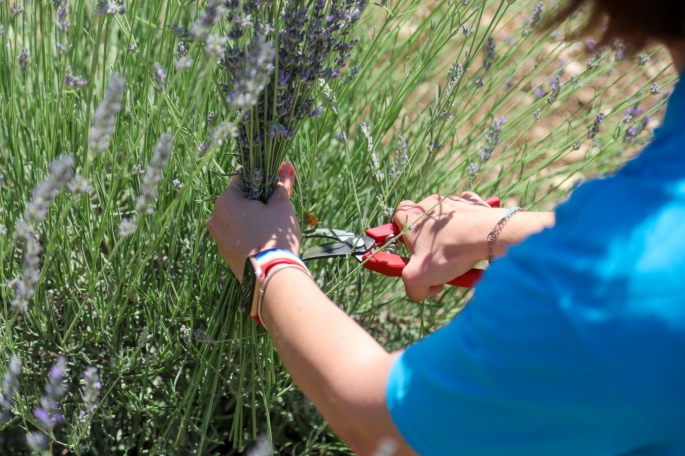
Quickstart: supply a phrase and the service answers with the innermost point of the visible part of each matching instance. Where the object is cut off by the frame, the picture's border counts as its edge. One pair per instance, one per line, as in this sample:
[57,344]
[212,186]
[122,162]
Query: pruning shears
[364,249]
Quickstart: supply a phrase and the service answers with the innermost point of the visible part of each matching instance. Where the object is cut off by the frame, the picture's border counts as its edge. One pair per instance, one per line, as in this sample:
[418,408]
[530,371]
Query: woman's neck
[677,50]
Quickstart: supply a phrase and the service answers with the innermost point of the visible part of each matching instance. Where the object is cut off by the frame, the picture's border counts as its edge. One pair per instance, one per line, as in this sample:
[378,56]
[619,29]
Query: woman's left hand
[243,227]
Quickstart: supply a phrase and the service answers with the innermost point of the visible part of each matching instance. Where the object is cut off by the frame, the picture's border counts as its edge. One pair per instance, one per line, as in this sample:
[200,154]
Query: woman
[574,343]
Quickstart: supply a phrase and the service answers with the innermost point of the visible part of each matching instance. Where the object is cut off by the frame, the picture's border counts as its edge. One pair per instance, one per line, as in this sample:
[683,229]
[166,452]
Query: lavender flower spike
[215,9]
[45,192]
[48,414]
[10,386]
[160,77]
[42,195]
[37,441]
[91,393]
[23,59]
[252,79]
[127,227]
[105,119]
[153,174]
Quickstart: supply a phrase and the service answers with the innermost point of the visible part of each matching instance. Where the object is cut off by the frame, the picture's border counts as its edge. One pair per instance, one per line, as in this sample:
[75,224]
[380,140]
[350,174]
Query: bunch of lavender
[10,387]
[42,196]
[271,87]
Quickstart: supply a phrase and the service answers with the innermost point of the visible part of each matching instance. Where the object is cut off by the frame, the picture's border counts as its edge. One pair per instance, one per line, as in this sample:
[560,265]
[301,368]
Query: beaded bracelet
[494,234]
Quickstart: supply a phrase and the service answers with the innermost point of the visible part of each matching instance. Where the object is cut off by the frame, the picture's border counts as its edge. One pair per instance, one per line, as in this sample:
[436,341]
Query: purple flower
[91,393]
[250,82]
[23,59]
[36,210]
[539,93]
[112,7]
[557,85]
[153,174]
[10,387]
[37,441]
[127,227]
[591,44]
[594,130]
[213,12]
[16,10]
[104,121]
[43,417]
[401,159]
[490,54]
[537,15]
[49,414]
[72,81]
[620,48]
[160,77]
[492,139]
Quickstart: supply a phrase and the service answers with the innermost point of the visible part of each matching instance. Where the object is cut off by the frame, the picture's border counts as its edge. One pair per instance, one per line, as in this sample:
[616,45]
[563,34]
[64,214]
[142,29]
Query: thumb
[414,277]
[286,174]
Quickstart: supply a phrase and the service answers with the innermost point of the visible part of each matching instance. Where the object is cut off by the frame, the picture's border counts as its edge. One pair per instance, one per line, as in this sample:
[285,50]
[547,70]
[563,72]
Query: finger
[402,213]
[413,277]
[284,189]
[473,198]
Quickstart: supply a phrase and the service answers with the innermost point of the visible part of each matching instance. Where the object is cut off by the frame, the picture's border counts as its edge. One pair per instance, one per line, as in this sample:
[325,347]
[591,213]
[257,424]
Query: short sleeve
[510,375]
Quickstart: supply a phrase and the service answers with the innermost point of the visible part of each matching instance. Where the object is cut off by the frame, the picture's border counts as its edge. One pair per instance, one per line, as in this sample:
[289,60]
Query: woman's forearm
[337,364]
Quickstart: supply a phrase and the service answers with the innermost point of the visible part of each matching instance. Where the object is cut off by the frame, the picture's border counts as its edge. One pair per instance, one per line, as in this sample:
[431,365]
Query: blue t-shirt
[574,343]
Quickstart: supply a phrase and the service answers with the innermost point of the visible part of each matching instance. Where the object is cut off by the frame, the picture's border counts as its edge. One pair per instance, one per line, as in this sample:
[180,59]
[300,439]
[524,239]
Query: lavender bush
[120,123]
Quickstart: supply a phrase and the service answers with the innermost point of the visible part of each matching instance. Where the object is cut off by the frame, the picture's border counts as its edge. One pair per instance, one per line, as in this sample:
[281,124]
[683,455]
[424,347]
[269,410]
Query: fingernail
[286,171]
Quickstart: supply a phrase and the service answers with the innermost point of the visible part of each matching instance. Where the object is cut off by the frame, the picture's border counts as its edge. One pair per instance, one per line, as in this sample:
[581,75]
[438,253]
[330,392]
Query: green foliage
[129,305]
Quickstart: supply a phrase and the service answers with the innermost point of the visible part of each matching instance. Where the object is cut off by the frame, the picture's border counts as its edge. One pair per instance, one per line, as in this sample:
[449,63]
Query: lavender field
[121,122]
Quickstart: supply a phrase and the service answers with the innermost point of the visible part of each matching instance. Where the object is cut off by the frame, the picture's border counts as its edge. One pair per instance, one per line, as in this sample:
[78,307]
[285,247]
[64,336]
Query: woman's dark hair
[635,22]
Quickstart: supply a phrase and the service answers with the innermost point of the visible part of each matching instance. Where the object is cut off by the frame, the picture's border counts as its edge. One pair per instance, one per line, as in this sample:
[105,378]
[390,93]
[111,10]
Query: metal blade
[328,250]
[330,233]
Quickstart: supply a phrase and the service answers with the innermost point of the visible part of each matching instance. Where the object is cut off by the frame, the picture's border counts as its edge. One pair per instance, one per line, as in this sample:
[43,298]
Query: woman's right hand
[452,237]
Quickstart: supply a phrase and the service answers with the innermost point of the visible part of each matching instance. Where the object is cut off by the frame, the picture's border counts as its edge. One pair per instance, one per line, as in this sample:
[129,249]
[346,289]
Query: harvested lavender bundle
[274,57]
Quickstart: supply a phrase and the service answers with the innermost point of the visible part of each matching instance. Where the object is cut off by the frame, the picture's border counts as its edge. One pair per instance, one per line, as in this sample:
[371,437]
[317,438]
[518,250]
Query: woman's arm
[337,364]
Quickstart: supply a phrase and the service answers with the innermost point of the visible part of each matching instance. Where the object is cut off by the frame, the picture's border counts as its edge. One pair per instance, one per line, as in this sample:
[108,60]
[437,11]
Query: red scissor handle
[392,265]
